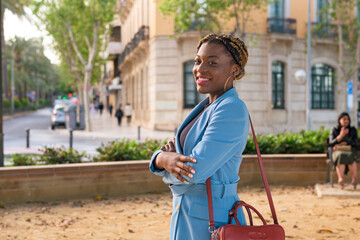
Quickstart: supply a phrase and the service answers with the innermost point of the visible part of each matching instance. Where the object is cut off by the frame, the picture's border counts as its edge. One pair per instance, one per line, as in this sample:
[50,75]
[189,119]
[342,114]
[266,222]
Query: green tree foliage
[78,28]
[33,71]
[16,7]
[339,16]
[210,15]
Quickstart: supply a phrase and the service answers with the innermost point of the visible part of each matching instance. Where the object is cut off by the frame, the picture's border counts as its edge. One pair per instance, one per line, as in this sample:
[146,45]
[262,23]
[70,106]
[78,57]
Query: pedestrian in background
[101,108]
[96,105]
[343,139]
[119,114]
[110,109]
[128,112]
[92,110]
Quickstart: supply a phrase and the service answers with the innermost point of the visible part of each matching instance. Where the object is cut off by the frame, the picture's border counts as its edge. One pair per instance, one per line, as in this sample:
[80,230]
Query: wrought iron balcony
[142,34]
[196,25]
[324,30]
[282,25]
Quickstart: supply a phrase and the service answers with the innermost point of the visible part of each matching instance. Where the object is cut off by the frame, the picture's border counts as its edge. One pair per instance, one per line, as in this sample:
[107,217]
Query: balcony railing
[324,30]
[282,25]
[142,34]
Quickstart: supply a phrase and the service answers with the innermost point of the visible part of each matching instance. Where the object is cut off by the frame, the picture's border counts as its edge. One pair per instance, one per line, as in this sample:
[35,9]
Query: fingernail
[193,171]
[194,160]
[186,182]
[190,175]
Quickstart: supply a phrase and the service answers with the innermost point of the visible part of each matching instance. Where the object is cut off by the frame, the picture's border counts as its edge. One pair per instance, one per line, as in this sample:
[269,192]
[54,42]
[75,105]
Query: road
[41,134]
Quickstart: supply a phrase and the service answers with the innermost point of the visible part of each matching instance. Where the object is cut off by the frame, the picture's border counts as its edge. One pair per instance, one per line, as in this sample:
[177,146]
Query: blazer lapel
[197,130]
[195,111]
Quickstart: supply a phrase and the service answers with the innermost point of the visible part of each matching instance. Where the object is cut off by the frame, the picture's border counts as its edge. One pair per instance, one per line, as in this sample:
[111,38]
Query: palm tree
[16,7]
[33,70]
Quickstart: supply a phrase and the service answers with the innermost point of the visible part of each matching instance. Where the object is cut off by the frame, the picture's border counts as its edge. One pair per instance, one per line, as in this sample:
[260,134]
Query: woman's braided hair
[235,46]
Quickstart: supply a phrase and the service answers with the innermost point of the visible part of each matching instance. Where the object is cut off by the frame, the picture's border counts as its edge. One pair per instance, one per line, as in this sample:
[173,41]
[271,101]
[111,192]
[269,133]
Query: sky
[13,26]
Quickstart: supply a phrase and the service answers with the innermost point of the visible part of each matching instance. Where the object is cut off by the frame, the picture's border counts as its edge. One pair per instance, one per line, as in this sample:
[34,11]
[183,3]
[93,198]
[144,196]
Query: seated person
[343,139]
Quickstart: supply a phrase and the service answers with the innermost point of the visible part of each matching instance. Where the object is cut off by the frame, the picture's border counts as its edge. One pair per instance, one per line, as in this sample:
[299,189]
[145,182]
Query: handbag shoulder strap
[267,188]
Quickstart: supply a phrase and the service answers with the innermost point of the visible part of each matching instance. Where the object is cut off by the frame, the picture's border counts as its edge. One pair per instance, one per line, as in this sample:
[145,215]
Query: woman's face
[213,66]
[344,121]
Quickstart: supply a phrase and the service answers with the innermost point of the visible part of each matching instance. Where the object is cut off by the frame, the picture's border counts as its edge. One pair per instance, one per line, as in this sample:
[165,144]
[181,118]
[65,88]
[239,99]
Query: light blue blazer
[216,141]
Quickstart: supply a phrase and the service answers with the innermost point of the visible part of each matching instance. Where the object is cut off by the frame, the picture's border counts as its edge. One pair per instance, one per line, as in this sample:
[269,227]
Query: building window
[277,9]
[278,93]
[322,87]
[191,95]
[321,16]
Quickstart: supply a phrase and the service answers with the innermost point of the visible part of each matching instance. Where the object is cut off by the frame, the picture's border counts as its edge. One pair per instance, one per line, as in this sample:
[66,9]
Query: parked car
[58,116]
[58,102]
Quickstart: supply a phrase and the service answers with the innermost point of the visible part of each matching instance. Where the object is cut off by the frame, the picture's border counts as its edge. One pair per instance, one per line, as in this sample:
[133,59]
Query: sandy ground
[302,214]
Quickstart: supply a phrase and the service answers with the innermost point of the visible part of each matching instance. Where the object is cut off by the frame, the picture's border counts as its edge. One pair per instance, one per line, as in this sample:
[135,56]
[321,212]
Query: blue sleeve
[225,135]
[152,167]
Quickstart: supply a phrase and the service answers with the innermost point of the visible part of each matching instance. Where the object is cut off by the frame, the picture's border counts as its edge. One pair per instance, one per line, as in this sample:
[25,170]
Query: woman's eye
[197,61]
[212,63]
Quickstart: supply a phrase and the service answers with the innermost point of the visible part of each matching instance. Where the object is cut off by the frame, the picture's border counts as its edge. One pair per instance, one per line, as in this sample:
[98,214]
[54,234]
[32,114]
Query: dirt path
[300,212]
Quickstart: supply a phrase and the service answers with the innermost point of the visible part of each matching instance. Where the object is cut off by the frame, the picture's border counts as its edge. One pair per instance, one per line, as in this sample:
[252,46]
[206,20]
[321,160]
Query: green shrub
[283,143]
[23,159]
[17,103]
[41,101]
[125,149]
[24,102]
[6,103]
[53,155]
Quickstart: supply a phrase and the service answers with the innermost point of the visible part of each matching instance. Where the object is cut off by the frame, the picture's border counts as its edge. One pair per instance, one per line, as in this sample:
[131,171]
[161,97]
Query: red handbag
[238,232]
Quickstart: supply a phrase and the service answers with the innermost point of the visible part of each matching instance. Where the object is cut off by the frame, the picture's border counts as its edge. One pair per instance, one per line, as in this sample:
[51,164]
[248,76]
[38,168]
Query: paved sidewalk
[103,127]
[323,190]
[106,126]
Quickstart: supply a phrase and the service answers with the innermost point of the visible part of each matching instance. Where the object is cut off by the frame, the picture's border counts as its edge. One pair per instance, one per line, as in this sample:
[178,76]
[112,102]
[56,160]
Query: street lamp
[308,108]
[301,76]
[1,103]
[12,76]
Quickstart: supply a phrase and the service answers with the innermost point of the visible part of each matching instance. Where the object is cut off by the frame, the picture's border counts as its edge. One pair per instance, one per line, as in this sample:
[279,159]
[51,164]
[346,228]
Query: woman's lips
[202,80]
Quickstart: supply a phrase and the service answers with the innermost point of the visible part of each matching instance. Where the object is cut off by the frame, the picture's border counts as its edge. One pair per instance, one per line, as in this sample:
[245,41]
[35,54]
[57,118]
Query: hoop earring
[228,80]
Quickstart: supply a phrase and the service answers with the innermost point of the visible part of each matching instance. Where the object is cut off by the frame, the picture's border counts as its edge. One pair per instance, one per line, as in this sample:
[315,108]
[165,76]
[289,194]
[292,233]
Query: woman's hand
[174,163]
[343,132]
[170,146]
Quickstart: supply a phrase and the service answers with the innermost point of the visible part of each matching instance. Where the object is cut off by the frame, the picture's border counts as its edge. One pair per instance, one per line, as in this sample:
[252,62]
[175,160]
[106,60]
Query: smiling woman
[216,63]
[209,143]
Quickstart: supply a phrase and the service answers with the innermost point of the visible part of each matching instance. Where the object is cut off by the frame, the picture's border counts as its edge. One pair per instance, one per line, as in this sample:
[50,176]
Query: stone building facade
[156,66]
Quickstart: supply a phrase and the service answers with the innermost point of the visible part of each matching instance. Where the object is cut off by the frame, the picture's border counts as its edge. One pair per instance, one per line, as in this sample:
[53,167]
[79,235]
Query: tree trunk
[237,20]
[88,67]
[80,93]
[355,83]
[87,78]
[355,105]
[4,70]
[37,92]
[341,63]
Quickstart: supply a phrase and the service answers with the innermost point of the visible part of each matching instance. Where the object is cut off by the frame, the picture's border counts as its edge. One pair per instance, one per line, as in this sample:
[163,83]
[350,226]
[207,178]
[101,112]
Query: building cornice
[125,8]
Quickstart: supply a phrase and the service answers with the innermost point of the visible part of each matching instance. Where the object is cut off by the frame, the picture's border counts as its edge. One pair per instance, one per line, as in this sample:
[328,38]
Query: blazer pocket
[201,211]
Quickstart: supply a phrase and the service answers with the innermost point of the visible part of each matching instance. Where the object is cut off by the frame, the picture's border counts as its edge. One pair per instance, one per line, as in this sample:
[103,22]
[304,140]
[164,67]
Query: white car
[58,116]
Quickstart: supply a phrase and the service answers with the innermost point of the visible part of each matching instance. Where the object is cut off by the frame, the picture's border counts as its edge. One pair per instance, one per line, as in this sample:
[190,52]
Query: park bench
[330,162]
